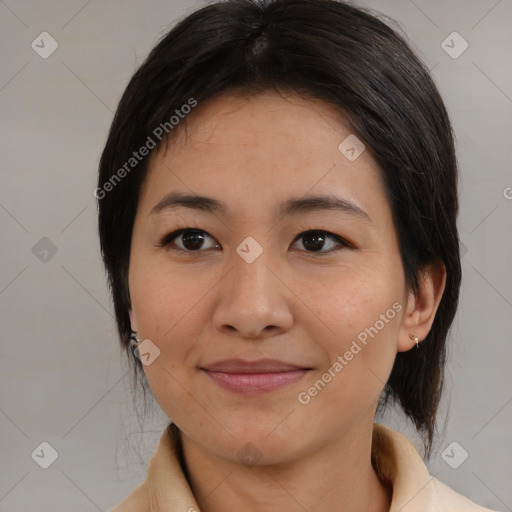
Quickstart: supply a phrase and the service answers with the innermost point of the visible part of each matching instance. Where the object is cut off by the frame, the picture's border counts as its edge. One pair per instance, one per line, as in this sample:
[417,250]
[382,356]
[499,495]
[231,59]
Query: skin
[293,303]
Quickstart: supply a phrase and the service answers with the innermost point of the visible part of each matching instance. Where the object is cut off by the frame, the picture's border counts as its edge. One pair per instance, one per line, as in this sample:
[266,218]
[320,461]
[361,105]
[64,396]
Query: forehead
[250,149]
[262,121]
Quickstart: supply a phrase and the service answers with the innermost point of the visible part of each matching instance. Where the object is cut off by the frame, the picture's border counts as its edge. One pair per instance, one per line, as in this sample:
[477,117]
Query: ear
[422,307]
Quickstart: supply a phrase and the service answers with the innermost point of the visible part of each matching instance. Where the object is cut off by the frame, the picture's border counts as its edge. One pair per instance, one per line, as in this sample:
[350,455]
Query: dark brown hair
[323,49]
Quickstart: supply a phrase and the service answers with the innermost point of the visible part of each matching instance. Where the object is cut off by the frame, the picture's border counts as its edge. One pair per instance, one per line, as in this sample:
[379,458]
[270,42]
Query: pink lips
[257,377]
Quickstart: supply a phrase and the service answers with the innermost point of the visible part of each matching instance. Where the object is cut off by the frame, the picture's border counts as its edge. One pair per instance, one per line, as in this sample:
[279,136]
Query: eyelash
[166,240]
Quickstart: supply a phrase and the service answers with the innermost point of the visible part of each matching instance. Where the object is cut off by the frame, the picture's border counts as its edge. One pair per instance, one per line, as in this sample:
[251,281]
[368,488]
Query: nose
[254,302]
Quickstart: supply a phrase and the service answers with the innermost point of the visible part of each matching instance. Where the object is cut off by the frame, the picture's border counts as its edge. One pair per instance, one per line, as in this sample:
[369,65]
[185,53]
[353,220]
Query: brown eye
[315,240]
[191,240]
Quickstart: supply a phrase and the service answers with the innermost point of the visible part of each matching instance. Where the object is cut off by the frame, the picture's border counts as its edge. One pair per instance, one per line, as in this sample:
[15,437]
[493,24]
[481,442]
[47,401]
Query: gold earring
[415,339]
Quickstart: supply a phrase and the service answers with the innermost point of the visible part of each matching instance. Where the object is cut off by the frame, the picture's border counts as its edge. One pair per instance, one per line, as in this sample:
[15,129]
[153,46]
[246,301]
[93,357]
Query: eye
[315,240]
[193,240]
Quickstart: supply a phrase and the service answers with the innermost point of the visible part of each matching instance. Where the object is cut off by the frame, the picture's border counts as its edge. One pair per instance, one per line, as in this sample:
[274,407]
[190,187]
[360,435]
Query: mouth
[253,378]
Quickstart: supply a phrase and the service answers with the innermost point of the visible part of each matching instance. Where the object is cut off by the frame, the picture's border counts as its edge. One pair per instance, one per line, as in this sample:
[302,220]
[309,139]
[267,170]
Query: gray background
[62,379]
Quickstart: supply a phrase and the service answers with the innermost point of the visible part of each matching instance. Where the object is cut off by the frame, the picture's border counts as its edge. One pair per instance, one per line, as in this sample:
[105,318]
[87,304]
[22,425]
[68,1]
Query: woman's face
[252,284]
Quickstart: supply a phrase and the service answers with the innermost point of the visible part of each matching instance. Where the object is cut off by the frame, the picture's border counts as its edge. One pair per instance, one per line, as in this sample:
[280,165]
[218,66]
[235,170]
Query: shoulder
[165,486]
[448,500]
[397,461]
[136,501]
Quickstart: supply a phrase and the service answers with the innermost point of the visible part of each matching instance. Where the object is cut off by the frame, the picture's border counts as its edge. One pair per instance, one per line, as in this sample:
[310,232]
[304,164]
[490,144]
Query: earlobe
[422,307]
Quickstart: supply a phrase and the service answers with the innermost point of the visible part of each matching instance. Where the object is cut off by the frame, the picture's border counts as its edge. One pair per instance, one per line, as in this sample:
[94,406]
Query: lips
[253,378]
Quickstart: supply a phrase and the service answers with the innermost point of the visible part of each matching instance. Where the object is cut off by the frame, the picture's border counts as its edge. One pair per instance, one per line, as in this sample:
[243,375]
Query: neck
[338,476]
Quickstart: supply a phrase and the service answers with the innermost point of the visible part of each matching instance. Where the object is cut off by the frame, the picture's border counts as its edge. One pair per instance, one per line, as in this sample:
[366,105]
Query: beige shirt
[395,460]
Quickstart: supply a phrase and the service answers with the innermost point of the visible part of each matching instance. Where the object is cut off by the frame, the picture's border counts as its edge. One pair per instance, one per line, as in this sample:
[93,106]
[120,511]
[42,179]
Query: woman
[277,216]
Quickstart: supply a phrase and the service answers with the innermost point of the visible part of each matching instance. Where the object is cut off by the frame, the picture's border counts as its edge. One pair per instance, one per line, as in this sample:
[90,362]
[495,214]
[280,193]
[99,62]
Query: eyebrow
[290,207]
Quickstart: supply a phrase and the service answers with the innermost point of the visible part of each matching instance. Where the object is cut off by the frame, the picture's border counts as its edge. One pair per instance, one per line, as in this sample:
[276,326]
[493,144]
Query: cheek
[164,303]
[358,337]
[166,307]
[358,314]
[350,299]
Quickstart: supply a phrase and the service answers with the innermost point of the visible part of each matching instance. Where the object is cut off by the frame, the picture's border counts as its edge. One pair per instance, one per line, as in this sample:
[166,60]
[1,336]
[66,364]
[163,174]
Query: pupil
[192,240]
[318,241]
